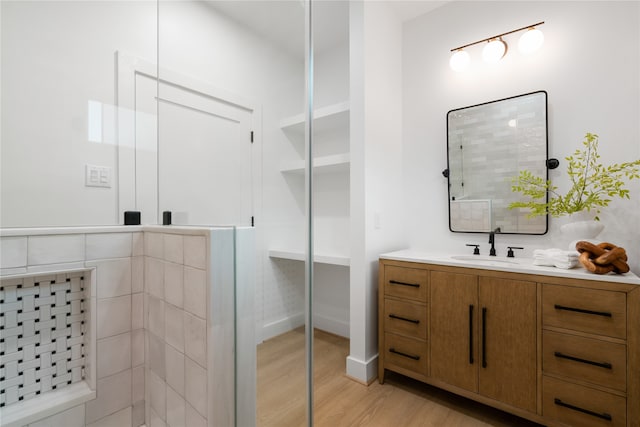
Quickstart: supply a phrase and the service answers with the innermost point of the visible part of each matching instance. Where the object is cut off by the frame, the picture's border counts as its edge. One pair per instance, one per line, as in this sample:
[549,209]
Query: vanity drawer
[587,310]
[405,353]
[406,282]
[581,406]
[586,359]
[405,318]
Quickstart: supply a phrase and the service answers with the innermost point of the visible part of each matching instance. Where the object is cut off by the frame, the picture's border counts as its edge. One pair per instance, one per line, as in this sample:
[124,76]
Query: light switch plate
[97,176]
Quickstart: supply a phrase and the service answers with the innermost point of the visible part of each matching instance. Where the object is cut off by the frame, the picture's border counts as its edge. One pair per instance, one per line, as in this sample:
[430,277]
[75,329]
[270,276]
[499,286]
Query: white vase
[581,226]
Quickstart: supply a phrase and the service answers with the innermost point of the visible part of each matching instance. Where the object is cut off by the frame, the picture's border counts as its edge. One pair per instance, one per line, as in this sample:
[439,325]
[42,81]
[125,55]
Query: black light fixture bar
[498,36]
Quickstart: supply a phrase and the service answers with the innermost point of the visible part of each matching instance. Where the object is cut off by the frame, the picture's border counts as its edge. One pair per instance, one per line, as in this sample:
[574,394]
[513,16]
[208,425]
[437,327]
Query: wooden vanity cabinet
[558,351]
[483,336]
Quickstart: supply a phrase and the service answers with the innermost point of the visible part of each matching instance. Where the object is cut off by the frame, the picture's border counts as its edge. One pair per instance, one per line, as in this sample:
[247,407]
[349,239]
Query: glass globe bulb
[494,51]
[459,60]
[530,41]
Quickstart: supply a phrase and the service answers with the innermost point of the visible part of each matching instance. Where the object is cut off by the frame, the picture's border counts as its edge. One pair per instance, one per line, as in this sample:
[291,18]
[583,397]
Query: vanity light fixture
[496,48]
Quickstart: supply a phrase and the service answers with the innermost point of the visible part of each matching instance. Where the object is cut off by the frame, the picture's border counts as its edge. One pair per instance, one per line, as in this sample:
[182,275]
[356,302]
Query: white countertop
[511,265]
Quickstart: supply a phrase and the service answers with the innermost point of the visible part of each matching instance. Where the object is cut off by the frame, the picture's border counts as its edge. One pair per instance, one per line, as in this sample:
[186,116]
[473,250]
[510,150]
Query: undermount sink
[484,260]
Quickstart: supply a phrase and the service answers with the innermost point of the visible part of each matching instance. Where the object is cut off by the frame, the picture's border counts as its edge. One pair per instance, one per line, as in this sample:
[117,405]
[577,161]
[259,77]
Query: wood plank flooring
[340,401]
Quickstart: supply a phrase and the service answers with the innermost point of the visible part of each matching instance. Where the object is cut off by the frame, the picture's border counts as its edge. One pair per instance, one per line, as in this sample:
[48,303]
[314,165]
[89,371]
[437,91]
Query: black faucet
[492,240]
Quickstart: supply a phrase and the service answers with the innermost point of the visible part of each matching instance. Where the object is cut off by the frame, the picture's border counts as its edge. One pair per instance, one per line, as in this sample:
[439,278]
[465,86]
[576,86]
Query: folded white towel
[555,258]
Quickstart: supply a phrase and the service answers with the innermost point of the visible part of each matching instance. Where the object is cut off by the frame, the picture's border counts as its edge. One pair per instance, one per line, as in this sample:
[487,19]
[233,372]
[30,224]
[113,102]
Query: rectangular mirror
[487,145]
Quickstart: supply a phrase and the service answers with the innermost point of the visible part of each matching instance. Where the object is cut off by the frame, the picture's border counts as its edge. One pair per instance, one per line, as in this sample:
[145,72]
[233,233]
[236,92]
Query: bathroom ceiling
[282,21]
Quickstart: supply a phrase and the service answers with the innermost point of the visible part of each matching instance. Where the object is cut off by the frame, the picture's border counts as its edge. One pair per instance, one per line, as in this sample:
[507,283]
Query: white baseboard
[279,327]
[327,324]
[363,371]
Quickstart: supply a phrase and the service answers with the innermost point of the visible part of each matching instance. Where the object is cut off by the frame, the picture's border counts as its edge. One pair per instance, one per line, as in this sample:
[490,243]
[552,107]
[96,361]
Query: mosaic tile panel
[42,325]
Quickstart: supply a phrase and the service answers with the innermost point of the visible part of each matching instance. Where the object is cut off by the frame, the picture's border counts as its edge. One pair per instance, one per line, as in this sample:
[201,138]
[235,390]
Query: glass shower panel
[231,153]
[331,198]
[67,133]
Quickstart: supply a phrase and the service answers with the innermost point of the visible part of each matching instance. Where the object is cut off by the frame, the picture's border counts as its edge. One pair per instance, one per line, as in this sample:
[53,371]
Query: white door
[203,160]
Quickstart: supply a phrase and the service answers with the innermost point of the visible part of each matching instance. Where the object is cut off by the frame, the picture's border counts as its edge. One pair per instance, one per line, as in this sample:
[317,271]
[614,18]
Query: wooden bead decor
[602,258]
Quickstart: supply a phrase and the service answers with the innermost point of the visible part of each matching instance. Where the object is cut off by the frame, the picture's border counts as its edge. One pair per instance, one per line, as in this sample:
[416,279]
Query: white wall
[56,57]
[590,67]
[377,204]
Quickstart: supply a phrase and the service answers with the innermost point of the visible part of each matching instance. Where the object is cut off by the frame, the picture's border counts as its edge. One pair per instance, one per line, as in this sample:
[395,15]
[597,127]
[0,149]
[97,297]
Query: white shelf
[333,259]
[325,164]
[335,116]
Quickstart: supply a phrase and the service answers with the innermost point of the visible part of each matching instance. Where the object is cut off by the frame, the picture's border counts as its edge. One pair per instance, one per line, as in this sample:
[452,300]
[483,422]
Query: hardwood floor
[340,401]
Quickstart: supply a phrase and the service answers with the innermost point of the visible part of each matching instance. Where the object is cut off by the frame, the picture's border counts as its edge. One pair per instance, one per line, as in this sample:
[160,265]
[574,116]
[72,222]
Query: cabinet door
[508,341]
[453,327]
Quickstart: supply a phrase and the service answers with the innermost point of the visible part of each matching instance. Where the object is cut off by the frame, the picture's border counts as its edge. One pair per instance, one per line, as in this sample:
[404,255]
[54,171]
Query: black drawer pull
[471,334]
[582,310]
[393,316]
[604,416]
[410,356]
[588,362]
[484,337]
[413,285]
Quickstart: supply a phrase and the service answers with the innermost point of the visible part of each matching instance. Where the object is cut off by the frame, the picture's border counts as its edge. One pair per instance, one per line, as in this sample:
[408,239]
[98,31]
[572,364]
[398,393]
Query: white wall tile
[153,245]
[10,271]
[137,242]
[195,339]
[154,419]
[137,347]
[176,416]
[45,268]
[137,384]
[195,291]
[55,249]
[195,386]
[194,419]
[108,245]
[174,248]
[137,274]
[195,251]
[156,316]
[174,327]
[119,419]
[13,252]
[113,316]
[137,416]
[156,355]
[175,369]
[114,355]
[137,311]
[114,394]
[173,284]
[73,417]
[154,277]
[113,277]
[157,394]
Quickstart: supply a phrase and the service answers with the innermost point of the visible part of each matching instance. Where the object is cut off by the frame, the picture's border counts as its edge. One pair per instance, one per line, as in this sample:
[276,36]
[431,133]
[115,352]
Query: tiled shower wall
[119,264]
[176,301]
[182,285]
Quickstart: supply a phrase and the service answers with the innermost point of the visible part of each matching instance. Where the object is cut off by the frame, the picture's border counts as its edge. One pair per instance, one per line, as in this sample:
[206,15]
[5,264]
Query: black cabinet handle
[406,319]
[604,416]
[582,310]
[471,334]
[413,285]
[484,337]
[410,356]
[588,362]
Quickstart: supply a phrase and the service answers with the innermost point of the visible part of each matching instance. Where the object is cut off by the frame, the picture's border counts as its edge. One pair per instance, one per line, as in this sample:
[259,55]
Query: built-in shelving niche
[328,122]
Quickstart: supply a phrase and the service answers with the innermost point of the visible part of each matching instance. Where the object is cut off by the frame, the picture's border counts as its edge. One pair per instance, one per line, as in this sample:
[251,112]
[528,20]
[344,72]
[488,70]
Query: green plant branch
[592,185]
